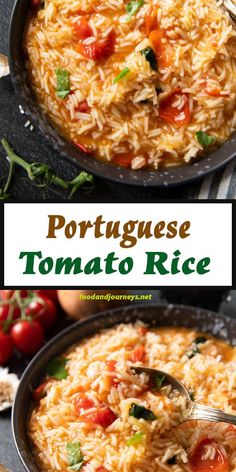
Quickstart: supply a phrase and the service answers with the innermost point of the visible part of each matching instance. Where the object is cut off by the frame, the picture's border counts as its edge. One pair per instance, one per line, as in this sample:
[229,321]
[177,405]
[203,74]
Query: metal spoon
[194,410]
[231,7]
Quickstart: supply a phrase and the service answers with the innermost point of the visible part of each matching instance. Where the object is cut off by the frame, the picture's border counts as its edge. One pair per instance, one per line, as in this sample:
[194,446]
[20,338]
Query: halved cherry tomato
[81,28]
[150,21]
[28,336]
[163,49]
[44,311]
[139,354]
[81,147]
[123,160]
[52,294]
[99,49]
[103,416]
[197,462]
[6,347]
[39,392]
[82,106]
[171,114]
[82,402]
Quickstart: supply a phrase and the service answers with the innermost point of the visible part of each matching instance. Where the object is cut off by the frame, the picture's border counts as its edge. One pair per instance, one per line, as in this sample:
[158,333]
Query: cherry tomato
[173,115]
[81,28]
[99,49]
[111,365]
[39,392]
[102,416]
[6,347]
[52,294]
[163,49]
[82,107]
[43,311]
[28,336]
[139,354]
[123,160]
[6,294]
[198,463]
[8,312]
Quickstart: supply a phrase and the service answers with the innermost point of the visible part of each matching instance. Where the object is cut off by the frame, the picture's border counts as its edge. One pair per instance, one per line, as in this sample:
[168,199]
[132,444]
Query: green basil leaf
[150,57]
[63,83]
[139,411]
[135,439]
[122,74]
[132,8]
[56,368]
[204,139]
[75,456]
[159,379]
[192,352]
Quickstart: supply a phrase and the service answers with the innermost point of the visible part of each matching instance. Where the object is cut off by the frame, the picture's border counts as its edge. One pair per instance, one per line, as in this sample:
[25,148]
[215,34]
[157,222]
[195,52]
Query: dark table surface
[34,147]
[211,299]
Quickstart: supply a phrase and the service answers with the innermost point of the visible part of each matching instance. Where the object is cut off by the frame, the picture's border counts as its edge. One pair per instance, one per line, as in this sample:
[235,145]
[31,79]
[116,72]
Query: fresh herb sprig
[40,174]
[75,456]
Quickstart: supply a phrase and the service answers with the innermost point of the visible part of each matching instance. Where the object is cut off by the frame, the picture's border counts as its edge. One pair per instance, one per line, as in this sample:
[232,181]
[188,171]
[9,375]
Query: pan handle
[228,305]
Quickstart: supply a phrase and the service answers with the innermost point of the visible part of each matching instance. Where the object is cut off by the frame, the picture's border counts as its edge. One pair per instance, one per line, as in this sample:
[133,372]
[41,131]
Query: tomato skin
[6,347]
[123,160]
[39,392]
[81,28]
[28,336]
[81,147]
[103,416]
[197,462]
[139,354]
[111,364]
[10,311]
[163,50]
[82,402]
[52,294]
[43,311]
[173,115]
[99,49]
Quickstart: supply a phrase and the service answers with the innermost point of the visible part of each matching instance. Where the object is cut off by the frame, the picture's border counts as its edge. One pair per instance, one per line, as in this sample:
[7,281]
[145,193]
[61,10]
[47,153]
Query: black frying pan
[154,315]
[147,178]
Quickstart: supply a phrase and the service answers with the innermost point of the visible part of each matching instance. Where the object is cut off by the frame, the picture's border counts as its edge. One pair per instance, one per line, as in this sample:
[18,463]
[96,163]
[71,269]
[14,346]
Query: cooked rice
[124,117]
[210,375]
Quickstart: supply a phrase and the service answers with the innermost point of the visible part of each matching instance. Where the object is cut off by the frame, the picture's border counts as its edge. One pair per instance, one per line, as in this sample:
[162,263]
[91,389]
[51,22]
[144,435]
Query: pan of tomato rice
[80,406]
[141,92]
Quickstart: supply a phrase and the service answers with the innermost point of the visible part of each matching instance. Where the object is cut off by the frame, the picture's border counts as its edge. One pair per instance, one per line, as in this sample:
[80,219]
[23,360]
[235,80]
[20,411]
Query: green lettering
[30,257]
[153,266]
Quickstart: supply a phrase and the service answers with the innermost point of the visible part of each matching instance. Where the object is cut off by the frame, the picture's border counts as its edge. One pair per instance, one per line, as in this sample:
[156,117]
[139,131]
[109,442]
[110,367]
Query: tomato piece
[35,3]
[163,49]
[123,160]
[28,336]
[139,354]
[101,469]
[39,392]
[52,294]
[83,106]
[142,330]
[171,114]
[198,463]
[82,402]
[81,147]
[99,49]
[81,28]
[6,347]
[111,365]
[103,416]
[44,311]
[150,21]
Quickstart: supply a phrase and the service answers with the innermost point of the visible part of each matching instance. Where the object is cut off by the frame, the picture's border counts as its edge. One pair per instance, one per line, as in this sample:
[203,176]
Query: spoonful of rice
[194,411]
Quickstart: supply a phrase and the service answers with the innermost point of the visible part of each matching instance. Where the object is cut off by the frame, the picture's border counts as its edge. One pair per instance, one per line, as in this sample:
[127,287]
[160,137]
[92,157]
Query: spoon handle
[202,412]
